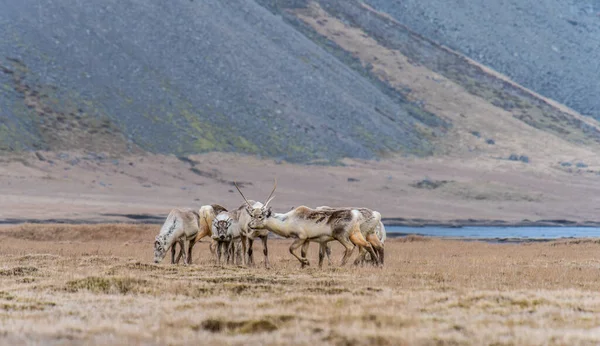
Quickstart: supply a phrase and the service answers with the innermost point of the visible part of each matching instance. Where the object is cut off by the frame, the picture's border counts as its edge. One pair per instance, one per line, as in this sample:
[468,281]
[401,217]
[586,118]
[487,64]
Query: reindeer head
[259,217]
[159,249]
[258,214]
[220,228]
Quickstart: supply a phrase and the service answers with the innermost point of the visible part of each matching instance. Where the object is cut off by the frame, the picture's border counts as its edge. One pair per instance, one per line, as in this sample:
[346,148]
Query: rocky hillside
[549,46]
[304,81]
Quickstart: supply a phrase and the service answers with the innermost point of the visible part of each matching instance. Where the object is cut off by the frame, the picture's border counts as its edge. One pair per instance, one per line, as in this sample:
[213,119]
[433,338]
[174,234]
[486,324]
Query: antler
[271,195]
[240,191]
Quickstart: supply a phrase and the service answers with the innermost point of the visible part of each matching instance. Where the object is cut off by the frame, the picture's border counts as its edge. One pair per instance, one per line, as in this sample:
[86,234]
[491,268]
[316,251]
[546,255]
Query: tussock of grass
[20,307]
[241,327]
[106,285]
[331,290]
[18,271]
[6,296]
[412,238]
[575,242]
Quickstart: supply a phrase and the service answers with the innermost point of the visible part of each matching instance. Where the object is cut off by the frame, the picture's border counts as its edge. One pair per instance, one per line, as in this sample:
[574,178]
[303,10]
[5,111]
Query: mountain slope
[301,80]
[549,46]
[184,77]
[474,99]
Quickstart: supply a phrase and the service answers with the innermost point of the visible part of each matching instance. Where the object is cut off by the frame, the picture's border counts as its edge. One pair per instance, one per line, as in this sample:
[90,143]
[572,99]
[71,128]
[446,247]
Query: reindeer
[227,226]
[307,225]
[220,234]
[180,226]
[372,229]
[243,217]
[206,215]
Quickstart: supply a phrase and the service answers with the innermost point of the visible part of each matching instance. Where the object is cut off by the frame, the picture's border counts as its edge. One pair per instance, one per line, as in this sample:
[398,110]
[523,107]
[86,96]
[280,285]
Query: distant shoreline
[402,222]
[391,221]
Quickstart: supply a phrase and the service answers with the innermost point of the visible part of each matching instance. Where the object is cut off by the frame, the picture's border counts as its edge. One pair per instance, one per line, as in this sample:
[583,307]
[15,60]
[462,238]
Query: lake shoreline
[496,240]
[387,221]
[458,223]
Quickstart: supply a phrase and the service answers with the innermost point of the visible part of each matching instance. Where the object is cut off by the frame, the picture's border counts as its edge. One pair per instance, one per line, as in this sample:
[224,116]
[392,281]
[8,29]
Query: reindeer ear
[269,212]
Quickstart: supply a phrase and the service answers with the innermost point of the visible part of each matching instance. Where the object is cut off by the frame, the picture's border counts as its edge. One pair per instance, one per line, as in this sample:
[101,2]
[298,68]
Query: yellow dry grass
[104,289]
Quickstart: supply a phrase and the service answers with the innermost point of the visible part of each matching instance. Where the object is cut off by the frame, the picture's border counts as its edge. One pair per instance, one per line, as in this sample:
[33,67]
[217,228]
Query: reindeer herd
[233,232]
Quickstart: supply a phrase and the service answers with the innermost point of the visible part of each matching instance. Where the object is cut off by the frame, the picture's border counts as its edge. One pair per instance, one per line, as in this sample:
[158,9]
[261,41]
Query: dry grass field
[97,285]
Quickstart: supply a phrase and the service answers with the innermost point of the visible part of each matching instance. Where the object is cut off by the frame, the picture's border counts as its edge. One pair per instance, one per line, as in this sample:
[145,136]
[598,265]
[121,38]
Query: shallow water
[498,232]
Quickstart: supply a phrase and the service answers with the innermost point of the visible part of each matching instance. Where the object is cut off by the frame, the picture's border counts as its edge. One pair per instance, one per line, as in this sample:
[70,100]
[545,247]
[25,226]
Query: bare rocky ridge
[296,80]
[186,77]
[551,47]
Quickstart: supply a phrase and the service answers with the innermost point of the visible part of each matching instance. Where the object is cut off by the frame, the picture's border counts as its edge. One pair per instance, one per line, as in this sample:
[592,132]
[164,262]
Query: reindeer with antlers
[305,225]
[244,217]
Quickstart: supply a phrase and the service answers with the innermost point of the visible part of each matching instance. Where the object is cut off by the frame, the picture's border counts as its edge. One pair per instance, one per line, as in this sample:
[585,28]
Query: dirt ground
[97,284]
[77,186]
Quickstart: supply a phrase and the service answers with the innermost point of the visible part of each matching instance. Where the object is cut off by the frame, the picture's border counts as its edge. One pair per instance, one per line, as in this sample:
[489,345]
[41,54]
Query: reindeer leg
[219,253]
[191,246]
[230,252]
[266,251]
[238,253]
[235,252]
[328,253]
[378,246]
[362,252]
[226,251]
[295,245]
[173,251]
[211,247]
[357,239]
[349,248]
[184,246]
[250,256]
[226,247]
[202,234]
[322,252]
[303,251]
[244,240]
[181,250]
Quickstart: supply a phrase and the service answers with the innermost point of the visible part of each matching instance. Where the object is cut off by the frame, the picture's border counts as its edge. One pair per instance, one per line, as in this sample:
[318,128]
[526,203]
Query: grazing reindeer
[180,226]
[220,228]
[307,225]
[372,229]
[207,213]
[379,247]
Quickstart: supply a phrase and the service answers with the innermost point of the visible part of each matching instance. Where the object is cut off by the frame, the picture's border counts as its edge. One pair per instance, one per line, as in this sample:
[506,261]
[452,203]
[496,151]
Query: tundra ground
[77,187]
[97,285]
